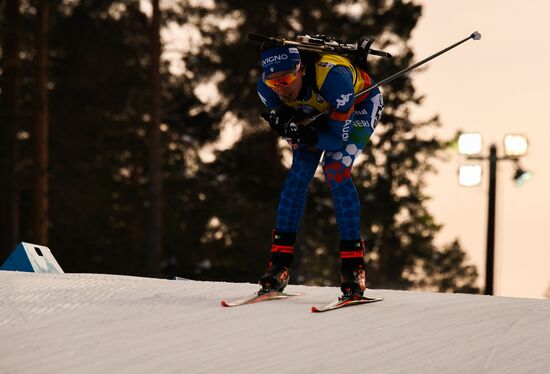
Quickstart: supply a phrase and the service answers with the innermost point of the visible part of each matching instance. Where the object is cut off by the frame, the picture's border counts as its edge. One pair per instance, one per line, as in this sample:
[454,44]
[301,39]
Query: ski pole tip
[476,35]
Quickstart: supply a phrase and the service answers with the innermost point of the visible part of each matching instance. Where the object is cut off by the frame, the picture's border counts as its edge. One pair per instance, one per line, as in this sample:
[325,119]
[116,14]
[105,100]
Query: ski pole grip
[475,35]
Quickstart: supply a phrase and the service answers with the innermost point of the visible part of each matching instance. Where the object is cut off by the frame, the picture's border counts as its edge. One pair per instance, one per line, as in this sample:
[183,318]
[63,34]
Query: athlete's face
[286,84]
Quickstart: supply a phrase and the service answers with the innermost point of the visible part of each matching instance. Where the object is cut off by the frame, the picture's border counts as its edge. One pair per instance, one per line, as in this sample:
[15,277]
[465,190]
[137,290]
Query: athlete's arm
[337,89]
[270,99]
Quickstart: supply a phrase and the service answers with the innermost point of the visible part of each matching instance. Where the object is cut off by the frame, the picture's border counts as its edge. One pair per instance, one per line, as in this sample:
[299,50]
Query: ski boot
[352,274]
[280,265]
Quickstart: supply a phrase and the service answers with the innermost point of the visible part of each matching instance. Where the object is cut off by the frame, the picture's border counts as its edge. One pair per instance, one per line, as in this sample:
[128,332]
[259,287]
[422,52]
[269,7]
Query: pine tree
[10,116]
[41,126]
[154,247]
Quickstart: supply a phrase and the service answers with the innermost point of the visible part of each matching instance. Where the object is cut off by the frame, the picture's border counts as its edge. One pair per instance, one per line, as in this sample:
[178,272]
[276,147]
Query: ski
[257,297]
[341,303]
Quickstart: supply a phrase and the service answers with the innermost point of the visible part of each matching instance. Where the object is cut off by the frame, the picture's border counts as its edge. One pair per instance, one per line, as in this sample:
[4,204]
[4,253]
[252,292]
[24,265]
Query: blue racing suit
[351,123]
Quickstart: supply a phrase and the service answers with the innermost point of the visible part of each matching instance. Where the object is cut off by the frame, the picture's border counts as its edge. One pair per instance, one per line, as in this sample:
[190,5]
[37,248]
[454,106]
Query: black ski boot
[280,265]
[352,274]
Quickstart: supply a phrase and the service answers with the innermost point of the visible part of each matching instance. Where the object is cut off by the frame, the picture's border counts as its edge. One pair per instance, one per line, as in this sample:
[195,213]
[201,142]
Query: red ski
[341,303]
[257,297]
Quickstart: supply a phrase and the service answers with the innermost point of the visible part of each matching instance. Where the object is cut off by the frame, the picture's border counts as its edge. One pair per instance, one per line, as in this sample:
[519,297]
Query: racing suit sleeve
[270,99]
[337,89]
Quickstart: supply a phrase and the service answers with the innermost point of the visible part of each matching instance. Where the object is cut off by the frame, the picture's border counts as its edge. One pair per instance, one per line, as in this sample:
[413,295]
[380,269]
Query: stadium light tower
[470,145]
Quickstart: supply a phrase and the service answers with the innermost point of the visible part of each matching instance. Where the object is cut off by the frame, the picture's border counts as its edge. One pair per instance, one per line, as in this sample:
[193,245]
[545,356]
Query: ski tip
[292,293]
[314,309]
[224,303]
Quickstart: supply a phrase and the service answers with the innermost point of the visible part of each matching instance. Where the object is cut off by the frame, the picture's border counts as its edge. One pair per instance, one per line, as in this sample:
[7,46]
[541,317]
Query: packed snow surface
[91,323]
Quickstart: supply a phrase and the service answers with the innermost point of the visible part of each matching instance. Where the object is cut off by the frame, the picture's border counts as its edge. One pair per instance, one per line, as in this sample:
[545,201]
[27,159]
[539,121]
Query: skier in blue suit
[291,90]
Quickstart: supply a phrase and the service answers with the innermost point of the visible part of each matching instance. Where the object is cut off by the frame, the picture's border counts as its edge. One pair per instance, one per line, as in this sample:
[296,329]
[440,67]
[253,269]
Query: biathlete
[292,89]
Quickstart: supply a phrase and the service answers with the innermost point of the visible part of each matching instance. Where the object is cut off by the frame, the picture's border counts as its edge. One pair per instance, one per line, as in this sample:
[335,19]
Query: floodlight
[515,145]
[521,176]
[469,175]
[469,144]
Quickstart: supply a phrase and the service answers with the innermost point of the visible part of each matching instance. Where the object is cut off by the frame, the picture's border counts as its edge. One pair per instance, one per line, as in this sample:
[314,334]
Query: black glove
[279,118]
[306,135]
[283,121]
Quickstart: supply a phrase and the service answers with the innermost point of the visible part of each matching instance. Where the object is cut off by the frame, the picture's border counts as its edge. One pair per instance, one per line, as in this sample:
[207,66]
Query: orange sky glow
[494,86]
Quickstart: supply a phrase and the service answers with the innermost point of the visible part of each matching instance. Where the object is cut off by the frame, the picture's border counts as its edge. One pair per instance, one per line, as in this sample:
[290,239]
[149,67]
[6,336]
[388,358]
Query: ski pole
[475,36]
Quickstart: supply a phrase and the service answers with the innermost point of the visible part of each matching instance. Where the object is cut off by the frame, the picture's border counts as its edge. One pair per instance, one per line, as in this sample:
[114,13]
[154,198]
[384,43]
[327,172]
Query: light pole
[491,217]
[470,145]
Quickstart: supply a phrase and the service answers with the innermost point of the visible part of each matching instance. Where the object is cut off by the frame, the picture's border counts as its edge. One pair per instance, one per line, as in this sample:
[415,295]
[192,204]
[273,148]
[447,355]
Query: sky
[495,86]
[97,323]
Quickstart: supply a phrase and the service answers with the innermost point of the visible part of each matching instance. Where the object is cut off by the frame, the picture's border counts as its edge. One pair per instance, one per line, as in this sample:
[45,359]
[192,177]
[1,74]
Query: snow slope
[91,323]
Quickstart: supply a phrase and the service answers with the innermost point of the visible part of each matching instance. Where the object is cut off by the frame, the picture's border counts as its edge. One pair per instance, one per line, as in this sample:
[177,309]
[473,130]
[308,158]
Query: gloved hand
[279,118]
[283,121]
[297,135]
